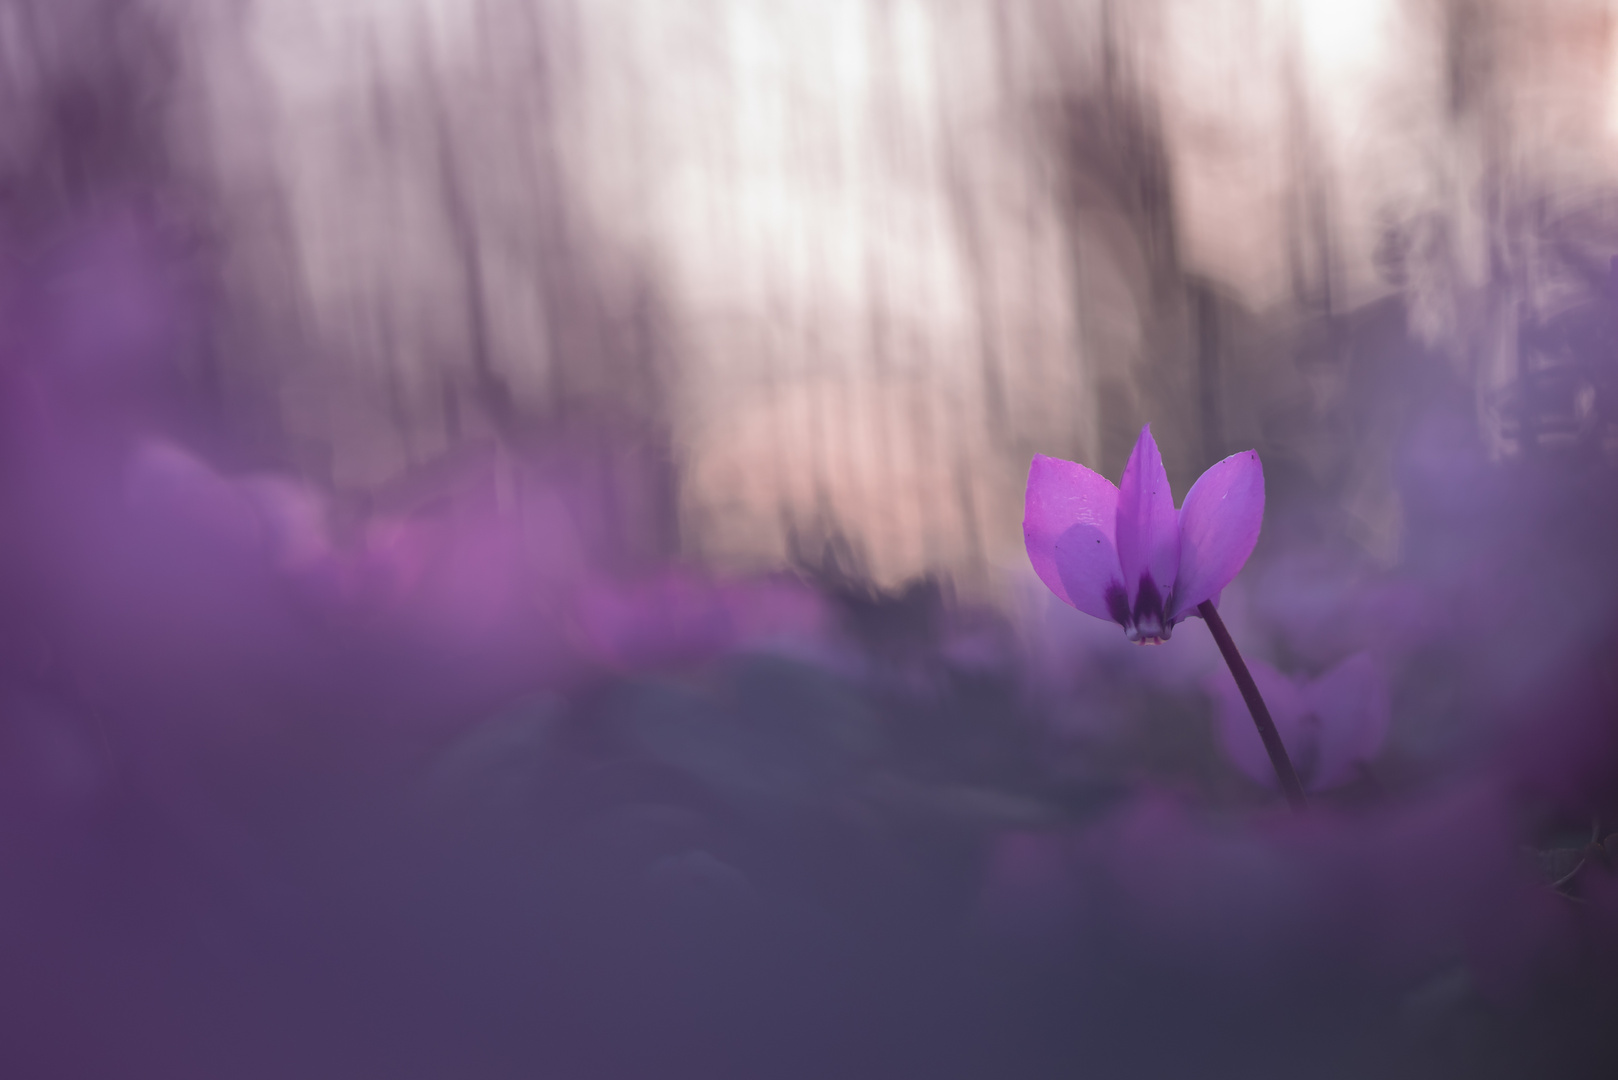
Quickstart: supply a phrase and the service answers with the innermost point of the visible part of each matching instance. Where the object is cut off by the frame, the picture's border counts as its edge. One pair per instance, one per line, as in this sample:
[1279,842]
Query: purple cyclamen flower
[1125,553]
[1333,725]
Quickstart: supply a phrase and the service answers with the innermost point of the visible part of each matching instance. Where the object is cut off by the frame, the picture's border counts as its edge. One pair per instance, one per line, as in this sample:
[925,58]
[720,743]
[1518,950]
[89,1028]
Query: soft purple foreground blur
[292,785]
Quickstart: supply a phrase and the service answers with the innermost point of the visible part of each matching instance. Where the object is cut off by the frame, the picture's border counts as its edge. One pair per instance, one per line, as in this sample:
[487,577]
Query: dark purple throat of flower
[1148,622]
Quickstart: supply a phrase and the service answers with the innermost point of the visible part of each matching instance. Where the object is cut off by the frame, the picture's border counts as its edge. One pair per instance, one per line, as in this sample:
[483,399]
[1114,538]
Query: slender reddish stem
[1255,705]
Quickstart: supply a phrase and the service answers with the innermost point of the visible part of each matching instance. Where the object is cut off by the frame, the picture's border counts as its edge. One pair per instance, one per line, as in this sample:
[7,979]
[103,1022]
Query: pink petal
[1148,528]
[1068,527]
[1088,566]
[1239,736]
[1352,702]
[1219,525]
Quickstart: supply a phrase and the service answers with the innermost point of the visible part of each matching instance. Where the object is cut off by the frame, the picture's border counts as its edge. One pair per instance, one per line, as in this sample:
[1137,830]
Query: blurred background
[511,558]
[839,269]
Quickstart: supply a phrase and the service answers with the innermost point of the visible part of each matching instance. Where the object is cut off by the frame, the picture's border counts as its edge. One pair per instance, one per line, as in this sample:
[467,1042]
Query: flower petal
[1219,525]
[1088,566]
[1148,528]
[1071,508]
[1238,735]
[1352,702]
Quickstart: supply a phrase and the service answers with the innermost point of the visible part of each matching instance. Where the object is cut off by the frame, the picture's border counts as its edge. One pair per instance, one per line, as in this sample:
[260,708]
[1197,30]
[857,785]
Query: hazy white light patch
[1221,86]
[1277,107]
[1344,34]
[799,205]
[1612,87]
[813,191]
[914,49]
[313,49]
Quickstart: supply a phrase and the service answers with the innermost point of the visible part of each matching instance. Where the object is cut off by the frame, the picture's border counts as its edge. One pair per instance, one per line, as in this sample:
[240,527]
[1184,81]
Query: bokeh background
[510,549]
[842,268]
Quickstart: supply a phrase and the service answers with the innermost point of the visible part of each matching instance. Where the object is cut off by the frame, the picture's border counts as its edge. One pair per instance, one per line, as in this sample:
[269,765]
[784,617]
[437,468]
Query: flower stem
[1255,705]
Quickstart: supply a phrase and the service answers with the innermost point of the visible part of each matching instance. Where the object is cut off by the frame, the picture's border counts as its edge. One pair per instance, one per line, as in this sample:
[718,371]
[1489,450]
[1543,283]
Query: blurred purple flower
[1331,725]
[1124,553]
[677,617]
[670,618]
[276,517]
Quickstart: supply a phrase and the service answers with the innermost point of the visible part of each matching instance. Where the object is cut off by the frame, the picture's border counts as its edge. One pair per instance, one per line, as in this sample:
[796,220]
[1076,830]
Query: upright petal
[1068,519]
[1219,525]
[1352,702]
[1148,528]
[1239,737]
